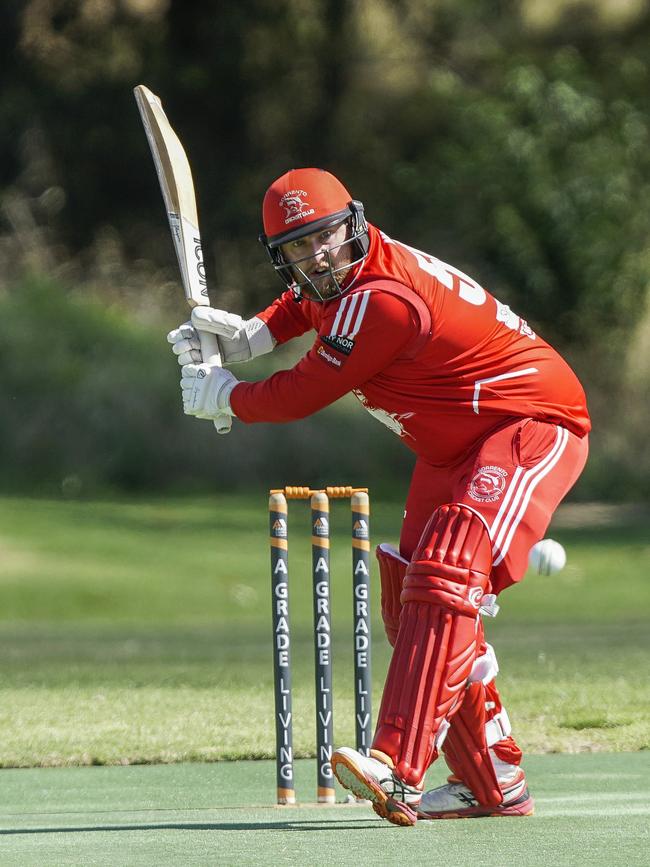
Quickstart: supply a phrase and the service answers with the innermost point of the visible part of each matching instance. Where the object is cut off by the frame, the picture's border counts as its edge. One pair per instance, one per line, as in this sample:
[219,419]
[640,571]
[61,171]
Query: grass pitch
[140,632]
[590,810]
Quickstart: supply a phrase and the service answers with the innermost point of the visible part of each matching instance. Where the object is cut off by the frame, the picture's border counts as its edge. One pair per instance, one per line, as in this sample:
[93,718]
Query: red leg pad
[508,751]
[507,748]
[392,568]
[466,750]
[437,639]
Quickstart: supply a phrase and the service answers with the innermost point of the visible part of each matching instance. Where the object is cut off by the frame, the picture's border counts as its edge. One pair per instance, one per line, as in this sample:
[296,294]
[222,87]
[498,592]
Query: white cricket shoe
[455,801]
[372,778]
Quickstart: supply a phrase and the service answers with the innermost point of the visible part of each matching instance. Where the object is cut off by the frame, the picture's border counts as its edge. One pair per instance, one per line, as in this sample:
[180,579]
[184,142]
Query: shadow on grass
[293,825]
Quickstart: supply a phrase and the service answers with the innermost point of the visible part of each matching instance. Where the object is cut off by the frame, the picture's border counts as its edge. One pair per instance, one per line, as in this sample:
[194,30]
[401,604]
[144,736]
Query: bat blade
[177,187]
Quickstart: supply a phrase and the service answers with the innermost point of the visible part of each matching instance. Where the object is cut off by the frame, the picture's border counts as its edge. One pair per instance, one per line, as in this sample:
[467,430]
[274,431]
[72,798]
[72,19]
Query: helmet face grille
[342,278]
[305,201]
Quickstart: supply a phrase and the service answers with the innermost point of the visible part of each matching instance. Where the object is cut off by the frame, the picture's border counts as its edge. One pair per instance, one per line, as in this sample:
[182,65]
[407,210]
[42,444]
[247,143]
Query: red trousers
[515,479]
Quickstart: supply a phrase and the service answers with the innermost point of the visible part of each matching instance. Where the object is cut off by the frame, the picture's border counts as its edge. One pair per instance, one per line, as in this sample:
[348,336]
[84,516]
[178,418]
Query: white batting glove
[206,390]
[239,339]
[185,344]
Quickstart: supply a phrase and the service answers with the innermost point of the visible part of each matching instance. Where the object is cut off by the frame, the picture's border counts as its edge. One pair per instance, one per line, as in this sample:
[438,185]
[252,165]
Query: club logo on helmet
[294,207]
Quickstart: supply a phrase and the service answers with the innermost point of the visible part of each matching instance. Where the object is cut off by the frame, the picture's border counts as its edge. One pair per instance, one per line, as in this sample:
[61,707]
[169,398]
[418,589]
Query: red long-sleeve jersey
[425,349]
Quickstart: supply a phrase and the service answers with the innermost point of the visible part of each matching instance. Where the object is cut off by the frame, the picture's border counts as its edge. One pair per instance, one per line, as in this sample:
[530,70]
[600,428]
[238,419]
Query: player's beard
[326,285]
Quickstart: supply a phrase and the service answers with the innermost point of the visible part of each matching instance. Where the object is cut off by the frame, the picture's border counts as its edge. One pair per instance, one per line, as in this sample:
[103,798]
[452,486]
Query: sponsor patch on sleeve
[328,357]
[347,323]
[340,343]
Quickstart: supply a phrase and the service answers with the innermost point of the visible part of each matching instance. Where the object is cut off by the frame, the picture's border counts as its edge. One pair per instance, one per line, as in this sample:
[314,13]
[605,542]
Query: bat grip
[211,355]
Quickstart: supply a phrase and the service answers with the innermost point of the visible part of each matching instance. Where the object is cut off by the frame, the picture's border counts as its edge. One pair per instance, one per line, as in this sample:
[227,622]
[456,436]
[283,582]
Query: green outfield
[590,810]
[135,632]
[139,633]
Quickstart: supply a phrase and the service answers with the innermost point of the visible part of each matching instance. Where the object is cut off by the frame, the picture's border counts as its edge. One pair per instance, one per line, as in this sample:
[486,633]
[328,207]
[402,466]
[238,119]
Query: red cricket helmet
[303,201]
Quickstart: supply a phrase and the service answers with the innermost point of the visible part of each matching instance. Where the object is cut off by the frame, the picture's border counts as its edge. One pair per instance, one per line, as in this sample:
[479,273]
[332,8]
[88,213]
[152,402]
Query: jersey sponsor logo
[294,207]
[394,421]
[330,359]
[350,315]
[345,345]
[512,321]
[487,484]
[526,330]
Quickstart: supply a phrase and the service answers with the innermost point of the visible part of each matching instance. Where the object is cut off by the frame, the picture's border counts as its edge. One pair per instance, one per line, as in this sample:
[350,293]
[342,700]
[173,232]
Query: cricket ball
[547,557]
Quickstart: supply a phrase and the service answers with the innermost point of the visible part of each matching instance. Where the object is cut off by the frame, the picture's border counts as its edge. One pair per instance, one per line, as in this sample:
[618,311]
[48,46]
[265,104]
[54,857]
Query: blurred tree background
[509,137]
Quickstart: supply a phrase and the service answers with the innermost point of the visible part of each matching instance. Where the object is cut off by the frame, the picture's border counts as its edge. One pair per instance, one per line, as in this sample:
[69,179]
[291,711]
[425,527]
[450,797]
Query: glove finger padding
[188,352]
[206,390]
[219,322]
[184,332]
[239,339]
[186,344]
[229,330]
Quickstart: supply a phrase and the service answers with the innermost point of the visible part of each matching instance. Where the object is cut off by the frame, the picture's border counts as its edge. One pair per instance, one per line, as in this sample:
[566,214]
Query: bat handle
[211,355]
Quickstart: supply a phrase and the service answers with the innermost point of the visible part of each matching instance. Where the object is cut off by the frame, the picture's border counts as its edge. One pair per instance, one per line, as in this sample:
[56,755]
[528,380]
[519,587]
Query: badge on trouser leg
[372,778]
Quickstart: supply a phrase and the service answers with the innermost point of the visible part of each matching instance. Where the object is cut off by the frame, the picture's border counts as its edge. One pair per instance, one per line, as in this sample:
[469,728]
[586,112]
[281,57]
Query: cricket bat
[175,177]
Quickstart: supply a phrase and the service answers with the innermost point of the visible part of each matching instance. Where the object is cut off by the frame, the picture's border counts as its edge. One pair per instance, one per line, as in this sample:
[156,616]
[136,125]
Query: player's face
[317,256]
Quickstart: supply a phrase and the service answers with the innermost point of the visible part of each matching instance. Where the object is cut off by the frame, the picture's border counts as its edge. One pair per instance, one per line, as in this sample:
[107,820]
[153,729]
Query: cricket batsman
[498,423]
